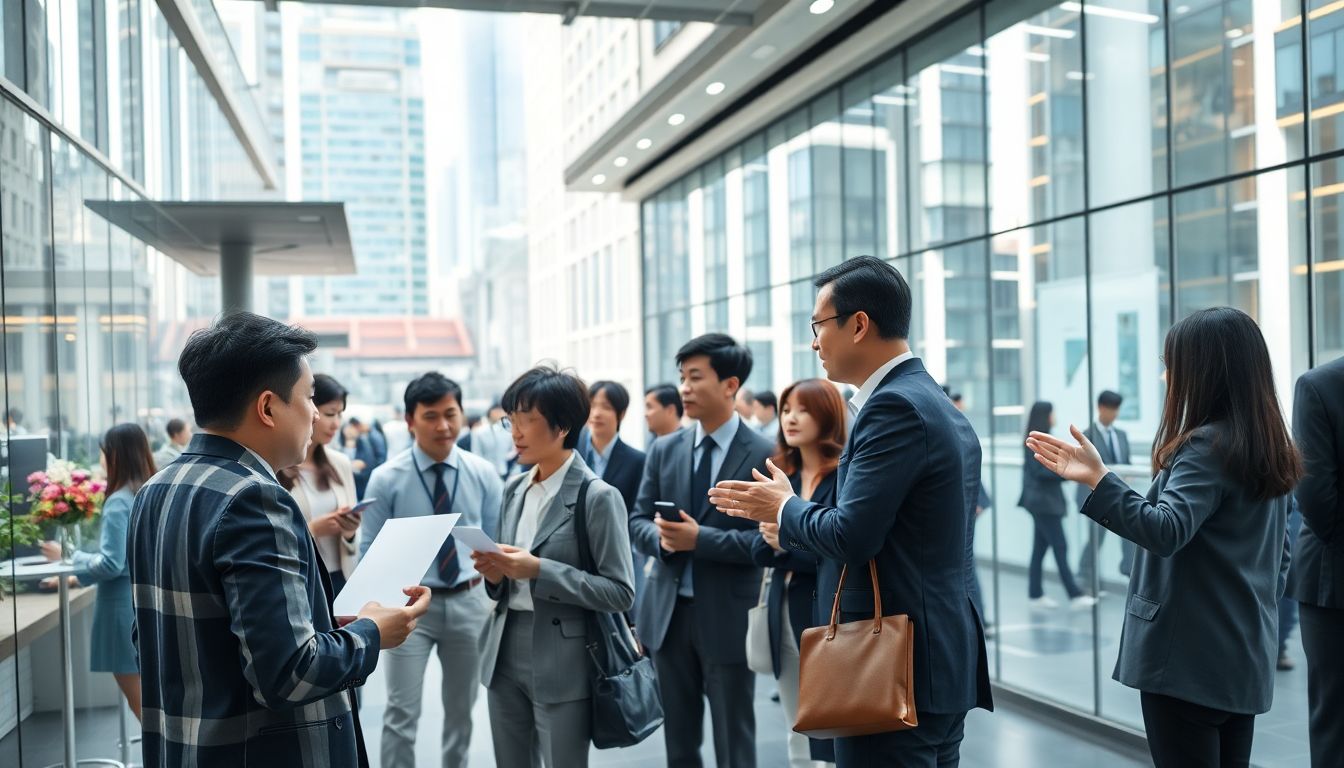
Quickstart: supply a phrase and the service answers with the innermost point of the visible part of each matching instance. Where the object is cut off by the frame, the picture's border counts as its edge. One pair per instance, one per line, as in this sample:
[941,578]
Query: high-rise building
[357,108]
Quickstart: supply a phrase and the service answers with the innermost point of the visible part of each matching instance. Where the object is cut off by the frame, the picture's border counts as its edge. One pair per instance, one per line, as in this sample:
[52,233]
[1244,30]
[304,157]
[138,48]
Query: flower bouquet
[68,496]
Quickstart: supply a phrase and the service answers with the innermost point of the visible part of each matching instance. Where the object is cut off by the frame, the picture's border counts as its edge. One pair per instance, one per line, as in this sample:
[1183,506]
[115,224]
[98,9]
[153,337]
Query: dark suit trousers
[1186,735]
[685,679]
[1323,642]
[1050,536]
[936,743]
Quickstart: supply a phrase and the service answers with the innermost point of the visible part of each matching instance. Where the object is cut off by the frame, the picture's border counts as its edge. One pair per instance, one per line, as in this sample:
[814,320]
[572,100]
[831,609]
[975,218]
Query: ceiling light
[819,7]
[620,161]
[309,219]
[600,179]
[714,88]
[1233,34]
[764,52]
[676,119]
[643,144]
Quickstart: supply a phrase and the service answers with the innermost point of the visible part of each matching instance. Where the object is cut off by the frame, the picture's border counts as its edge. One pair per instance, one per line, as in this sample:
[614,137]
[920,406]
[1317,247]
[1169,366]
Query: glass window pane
[861,168]
[946,76]
[827,181]
[1035,113]
[890,100]
[1327,221]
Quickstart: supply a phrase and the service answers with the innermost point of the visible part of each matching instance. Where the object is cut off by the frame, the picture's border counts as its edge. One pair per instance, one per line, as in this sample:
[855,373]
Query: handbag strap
[766,575]
[581,527]
[877,601]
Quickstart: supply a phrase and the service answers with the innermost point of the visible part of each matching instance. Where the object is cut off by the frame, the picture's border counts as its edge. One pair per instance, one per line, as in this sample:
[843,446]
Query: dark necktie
[447,559]
[702,478]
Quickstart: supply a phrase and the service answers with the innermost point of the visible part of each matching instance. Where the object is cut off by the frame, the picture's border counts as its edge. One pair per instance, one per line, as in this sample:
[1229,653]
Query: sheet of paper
[398,557]
[474,539]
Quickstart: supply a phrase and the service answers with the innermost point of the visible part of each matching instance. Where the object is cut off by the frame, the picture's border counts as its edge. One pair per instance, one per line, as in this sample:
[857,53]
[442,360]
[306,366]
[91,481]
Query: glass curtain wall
[1059,182]
[93,318]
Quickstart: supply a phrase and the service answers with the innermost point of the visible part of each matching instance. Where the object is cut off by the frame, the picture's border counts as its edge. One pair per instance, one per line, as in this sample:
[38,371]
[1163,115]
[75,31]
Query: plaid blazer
[240,663]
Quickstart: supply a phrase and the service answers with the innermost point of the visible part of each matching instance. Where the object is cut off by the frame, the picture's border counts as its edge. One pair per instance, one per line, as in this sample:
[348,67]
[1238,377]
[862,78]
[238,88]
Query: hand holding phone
[359,508]
[667,510]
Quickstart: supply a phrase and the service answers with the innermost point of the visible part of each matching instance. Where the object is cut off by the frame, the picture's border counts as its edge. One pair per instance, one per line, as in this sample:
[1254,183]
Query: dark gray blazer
[727,581]
[562,594]
[1202,617]
[1317,577]
[1042,490]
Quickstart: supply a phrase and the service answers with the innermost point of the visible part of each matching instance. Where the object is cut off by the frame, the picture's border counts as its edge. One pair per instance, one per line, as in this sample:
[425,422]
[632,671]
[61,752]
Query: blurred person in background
[662,410]
[179,436]
[1043,497]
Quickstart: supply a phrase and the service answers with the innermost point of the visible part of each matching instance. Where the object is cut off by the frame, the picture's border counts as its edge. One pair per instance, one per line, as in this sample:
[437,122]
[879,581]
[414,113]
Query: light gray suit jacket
[562,594]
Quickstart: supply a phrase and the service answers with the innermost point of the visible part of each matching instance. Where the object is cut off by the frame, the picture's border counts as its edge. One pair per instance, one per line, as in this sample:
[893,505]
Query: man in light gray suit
[1113,445]
[693,610]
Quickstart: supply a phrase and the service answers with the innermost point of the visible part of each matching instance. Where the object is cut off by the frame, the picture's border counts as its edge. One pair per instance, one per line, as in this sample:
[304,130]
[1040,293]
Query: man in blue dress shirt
[436,478]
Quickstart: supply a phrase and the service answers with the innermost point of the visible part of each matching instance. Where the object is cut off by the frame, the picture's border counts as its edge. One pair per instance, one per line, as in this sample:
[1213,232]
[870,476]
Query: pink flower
[37,477]
[35,488]
[50,492]
[79,475]
[61,507]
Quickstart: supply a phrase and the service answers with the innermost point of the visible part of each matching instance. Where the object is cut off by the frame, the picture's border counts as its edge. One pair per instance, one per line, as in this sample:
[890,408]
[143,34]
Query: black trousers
[685,680]
[1186,735]
[1323,642]
[936,743]
[1050,536]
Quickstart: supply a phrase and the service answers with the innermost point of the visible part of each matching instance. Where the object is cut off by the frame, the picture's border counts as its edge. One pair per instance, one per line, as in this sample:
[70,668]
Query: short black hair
[666,395]
[870,285]
[327,389]
[229,365]
[1109,399]
[728,358]
[559,396]
[428,390]
[175,427]
[767,399]
[616,395]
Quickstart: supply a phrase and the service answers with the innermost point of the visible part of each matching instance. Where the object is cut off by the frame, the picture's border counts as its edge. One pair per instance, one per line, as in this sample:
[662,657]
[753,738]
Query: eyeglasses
[506,423]
[815,323]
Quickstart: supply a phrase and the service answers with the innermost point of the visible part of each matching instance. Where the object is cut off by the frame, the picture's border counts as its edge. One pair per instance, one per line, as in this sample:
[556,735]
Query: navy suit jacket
[727,581]
[1317,576]
[241,663]
[624,470]
[908,485]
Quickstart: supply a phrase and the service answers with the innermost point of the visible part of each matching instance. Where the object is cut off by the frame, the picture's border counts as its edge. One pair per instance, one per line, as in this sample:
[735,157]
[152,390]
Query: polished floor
[1045,652]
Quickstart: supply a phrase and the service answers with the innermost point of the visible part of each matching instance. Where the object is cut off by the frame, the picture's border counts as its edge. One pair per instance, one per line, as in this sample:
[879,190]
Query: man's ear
[264,405]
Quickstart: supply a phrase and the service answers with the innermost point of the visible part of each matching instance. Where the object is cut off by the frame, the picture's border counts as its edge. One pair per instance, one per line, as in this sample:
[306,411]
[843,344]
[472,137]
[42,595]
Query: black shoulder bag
[627,706]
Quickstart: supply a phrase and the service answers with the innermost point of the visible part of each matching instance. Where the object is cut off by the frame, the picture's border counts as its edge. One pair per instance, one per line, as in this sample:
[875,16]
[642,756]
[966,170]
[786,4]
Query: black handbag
[627,705]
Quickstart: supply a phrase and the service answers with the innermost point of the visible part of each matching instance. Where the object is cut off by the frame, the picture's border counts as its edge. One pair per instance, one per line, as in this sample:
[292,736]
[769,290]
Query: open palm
[1078,461]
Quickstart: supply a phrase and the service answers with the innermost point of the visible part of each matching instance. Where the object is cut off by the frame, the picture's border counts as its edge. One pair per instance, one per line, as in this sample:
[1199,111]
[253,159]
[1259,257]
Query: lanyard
[451,498]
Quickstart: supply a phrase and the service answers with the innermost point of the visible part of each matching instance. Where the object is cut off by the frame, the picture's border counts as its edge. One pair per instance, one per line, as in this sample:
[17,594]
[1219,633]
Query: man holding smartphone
[693,610]
[435,477]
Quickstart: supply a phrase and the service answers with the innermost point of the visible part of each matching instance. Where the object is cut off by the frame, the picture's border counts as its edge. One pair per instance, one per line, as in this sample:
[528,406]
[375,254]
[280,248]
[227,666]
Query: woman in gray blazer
[534,661]
[1200,637]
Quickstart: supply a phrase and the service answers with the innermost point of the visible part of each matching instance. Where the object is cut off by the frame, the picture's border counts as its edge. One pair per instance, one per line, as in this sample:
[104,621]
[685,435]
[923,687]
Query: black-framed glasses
[815,323]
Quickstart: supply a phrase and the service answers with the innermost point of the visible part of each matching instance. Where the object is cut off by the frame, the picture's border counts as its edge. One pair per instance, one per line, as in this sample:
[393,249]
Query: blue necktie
[449,568]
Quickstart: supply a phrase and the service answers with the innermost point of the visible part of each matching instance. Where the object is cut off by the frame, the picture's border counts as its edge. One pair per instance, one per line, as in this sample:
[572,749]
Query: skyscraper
[361,139]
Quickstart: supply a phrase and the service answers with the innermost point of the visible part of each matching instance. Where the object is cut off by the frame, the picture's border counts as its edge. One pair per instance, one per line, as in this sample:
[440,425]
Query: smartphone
[361,506]
[667,510]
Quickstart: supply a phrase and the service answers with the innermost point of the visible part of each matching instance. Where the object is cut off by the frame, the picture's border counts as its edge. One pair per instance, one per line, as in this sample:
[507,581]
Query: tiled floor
[1048,653]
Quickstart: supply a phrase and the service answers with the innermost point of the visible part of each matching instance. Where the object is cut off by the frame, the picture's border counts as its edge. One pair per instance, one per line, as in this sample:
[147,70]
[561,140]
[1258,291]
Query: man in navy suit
[704,579]
[908,485]
[610,458]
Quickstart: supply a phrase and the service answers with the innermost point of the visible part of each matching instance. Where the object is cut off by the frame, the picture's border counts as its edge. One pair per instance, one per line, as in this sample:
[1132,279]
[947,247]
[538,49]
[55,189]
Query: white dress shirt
[535,500]
[866,391]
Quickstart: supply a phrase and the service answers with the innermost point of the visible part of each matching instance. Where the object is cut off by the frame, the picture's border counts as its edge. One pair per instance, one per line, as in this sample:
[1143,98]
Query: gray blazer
[562,594]
[1202,617]
[727,581]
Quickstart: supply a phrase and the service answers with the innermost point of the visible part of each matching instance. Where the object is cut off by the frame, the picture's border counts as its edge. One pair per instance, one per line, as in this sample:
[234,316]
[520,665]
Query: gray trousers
[527,733]
[453,628]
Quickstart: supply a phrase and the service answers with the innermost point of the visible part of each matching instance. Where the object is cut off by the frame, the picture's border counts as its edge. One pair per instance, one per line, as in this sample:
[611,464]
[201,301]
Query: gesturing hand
[1079,462]
[760,500]
[396,624]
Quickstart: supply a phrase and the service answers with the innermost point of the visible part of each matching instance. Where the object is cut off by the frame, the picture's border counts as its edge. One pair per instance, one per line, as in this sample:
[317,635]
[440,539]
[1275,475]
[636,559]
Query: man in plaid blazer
[241,664]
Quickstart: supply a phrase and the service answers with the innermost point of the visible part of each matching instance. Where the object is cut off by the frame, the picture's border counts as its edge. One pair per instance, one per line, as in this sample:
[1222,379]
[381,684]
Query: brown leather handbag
[857,678]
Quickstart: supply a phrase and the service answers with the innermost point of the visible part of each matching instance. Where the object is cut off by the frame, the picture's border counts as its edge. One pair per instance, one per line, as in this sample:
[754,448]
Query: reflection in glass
[827,180]
[1328,258]
[889,112]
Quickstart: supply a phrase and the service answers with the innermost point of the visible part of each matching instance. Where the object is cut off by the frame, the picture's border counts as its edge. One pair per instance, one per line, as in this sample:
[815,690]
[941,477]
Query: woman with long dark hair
[324,485]
[128,462]
[1201,630]
[810,438]
[1043,497]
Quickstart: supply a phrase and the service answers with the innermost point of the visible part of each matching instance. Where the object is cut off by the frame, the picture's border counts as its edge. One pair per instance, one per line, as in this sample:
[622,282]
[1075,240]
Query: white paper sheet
[474,539]
[398,557]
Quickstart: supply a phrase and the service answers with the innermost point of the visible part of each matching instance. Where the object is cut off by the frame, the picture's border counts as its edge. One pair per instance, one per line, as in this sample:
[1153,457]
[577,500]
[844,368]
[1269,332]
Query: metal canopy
[284,238]
[730,12]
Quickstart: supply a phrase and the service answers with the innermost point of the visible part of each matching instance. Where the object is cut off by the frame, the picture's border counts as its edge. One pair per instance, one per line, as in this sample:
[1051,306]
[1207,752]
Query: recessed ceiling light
[714,88]
[764,52]
[620,161]
[600,179]
[676,119]
[643,144]
[309,219]
[819,7]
